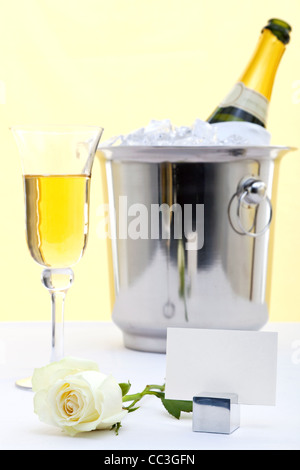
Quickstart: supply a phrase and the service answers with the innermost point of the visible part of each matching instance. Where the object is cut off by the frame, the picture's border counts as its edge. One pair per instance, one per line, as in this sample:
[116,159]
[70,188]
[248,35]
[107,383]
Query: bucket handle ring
[251,192]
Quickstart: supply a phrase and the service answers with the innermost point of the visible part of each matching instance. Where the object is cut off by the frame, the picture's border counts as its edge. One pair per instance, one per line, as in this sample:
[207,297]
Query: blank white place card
[222,361]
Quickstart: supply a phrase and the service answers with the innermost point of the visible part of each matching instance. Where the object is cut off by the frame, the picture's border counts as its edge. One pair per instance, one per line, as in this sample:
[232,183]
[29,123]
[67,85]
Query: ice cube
[157,133]
[134,137]
[156,127]
[205,132]
[182,132]
[201,133]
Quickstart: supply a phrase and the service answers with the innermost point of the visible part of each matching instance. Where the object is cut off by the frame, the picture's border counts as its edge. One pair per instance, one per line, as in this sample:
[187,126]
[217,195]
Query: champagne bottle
[249,99]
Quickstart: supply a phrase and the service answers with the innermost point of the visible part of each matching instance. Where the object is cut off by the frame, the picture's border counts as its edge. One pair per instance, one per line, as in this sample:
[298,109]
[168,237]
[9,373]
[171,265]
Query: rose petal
[42,408]
[44,377]
[111,420]
[58,394]
[109,398]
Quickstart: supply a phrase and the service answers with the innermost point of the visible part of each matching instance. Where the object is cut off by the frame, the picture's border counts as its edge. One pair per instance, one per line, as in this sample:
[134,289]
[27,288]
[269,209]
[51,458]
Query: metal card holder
[217,413]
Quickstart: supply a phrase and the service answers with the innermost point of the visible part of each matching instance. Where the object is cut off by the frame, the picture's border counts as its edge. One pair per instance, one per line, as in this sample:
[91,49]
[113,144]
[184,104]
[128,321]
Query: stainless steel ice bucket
[190,238]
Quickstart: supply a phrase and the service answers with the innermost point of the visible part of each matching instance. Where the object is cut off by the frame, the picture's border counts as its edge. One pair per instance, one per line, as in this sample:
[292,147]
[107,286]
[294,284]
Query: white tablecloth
[24,346]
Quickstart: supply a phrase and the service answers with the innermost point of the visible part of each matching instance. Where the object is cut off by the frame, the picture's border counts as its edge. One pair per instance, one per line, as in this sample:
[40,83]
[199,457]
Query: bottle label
[248,100]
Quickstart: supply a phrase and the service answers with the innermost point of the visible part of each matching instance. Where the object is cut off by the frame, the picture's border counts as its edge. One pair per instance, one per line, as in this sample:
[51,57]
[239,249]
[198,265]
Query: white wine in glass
[57,218]
[57,165]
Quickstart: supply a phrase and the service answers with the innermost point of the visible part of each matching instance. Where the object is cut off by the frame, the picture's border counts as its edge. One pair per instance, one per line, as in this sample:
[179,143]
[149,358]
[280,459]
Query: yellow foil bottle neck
[260,73]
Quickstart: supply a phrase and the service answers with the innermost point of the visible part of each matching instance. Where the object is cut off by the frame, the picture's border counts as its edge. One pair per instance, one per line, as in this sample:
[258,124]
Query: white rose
[75,396]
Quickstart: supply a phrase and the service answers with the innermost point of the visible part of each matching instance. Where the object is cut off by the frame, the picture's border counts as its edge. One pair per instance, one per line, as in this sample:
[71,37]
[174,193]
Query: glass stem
[58,305]
[57,282]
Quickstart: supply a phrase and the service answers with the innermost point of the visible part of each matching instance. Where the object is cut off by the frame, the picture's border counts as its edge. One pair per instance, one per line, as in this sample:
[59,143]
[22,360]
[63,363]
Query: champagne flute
[56,164]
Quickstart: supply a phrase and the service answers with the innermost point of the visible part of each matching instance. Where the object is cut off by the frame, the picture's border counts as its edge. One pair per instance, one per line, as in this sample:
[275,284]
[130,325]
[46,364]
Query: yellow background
[118,64]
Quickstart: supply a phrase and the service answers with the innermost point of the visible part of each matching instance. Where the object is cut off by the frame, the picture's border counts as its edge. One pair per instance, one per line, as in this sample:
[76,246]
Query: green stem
[156,390]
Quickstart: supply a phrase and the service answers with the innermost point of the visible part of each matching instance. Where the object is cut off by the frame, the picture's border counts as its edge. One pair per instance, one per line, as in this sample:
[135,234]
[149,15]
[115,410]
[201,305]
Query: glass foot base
[24,384]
